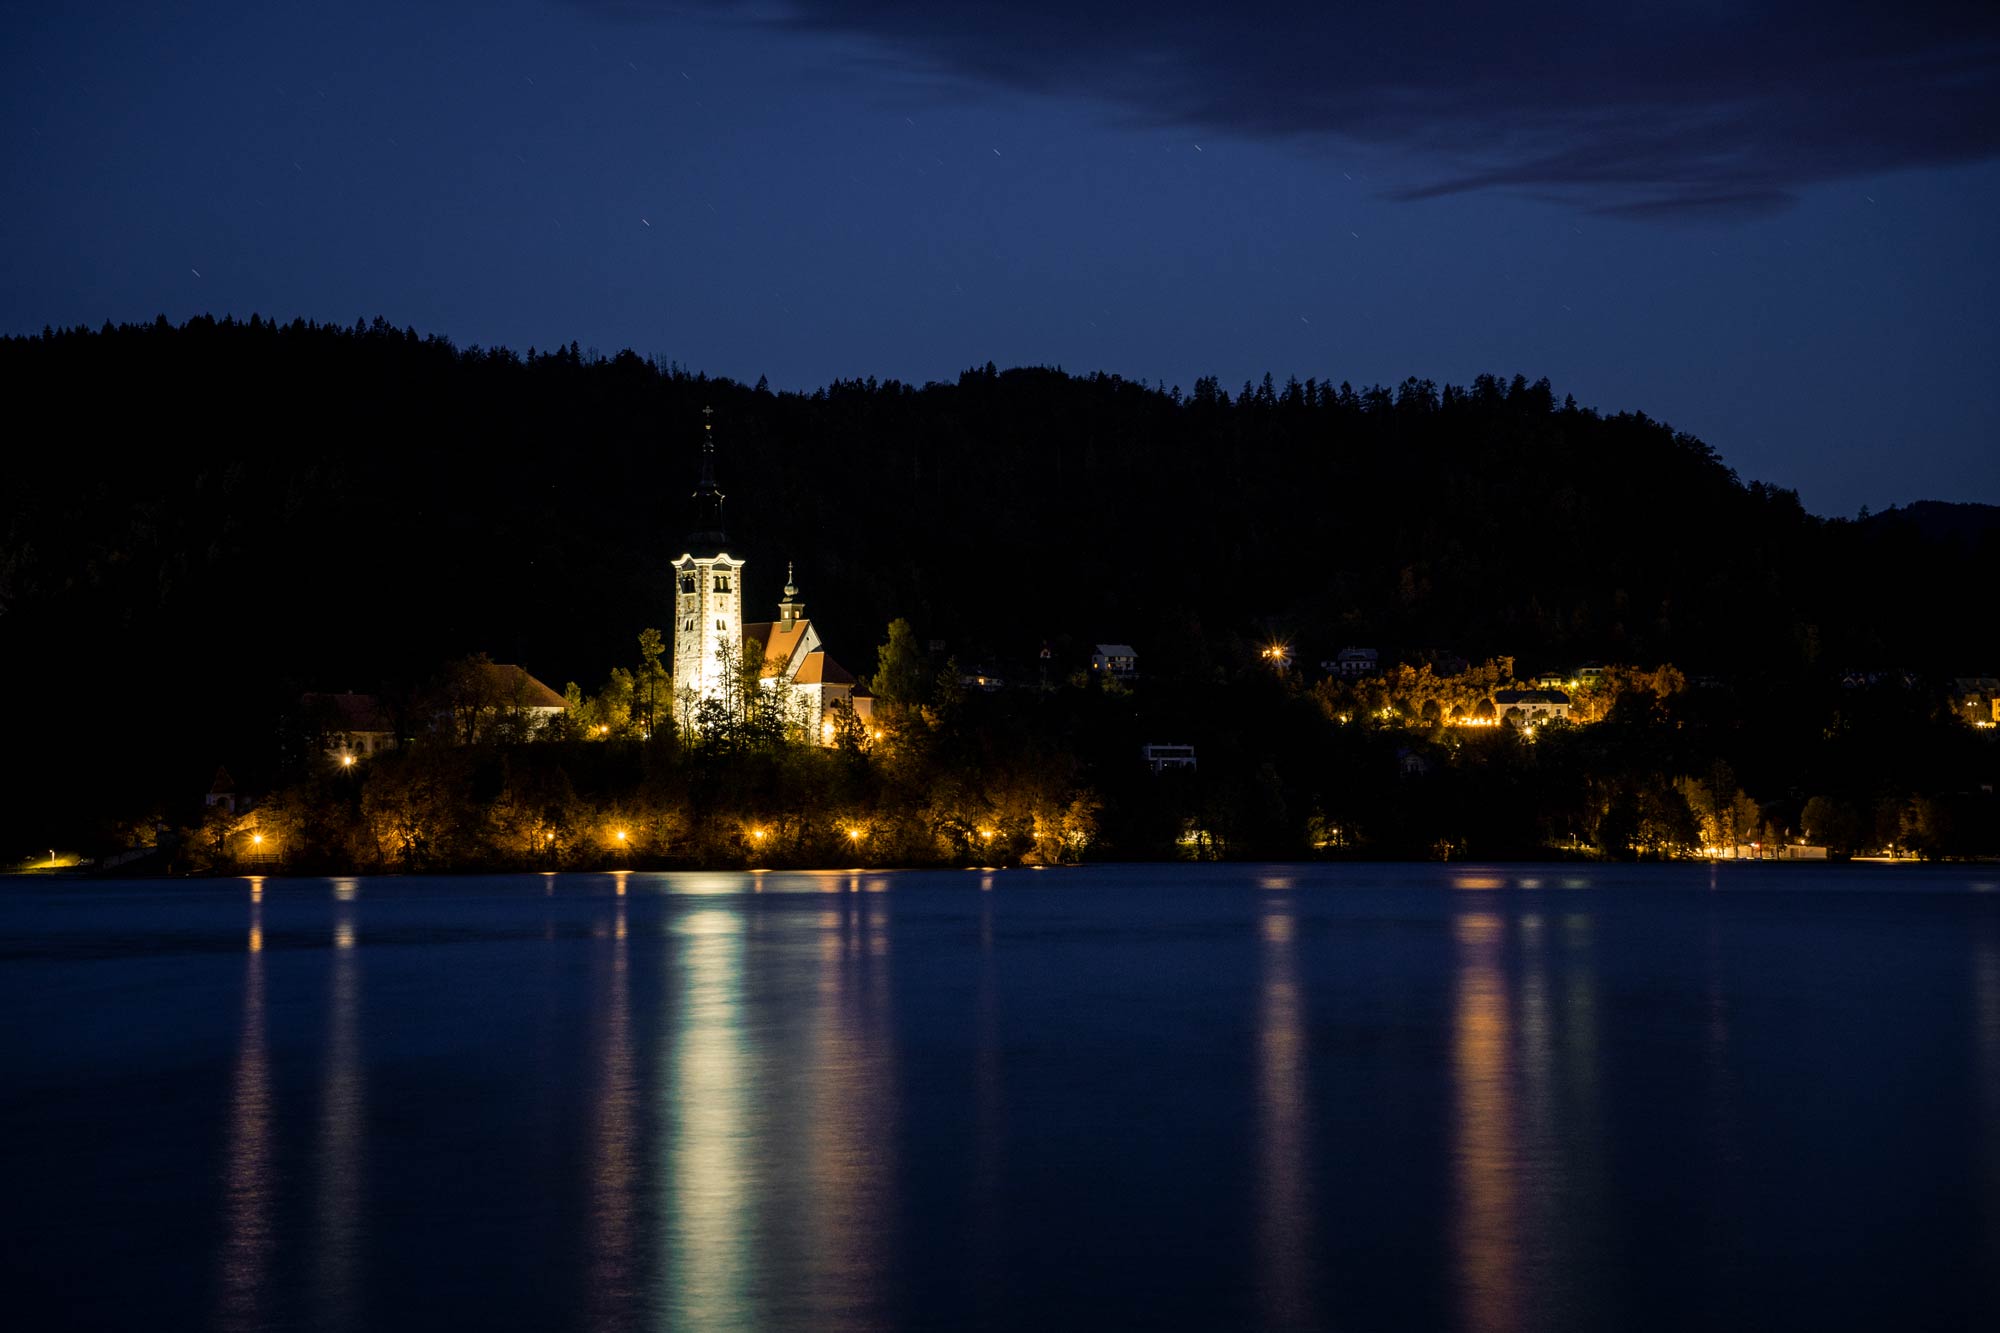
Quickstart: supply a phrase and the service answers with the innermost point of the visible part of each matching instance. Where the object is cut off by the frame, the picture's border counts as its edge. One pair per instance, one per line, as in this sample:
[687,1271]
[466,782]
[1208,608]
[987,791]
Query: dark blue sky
[1772,225]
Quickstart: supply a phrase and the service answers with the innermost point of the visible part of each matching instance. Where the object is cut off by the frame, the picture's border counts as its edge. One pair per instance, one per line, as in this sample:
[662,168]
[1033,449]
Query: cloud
[1641,110]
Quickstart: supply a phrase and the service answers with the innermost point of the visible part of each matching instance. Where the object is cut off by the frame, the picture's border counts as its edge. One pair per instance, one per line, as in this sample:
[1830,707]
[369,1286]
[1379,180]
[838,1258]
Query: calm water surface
[1358,1097]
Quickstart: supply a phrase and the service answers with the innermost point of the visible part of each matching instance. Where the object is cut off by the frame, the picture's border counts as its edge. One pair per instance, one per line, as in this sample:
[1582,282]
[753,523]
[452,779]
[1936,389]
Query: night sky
[1772,225]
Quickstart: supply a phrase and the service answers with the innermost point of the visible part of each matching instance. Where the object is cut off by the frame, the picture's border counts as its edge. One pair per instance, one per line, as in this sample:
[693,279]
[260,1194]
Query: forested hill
[201,521]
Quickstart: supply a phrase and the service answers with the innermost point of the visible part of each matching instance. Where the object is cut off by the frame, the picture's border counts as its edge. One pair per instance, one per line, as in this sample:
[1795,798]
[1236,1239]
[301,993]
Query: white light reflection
[343,1114]
[248,1186]
[1284,1167]
[707,1175]
[853,1124]
[614,1277]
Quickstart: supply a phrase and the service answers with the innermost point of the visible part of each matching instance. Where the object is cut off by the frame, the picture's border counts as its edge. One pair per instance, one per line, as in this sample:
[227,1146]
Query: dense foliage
[199,523]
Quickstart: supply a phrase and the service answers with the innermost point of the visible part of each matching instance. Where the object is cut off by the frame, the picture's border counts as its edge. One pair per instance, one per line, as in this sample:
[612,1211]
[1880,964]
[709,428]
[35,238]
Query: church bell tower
[708,595]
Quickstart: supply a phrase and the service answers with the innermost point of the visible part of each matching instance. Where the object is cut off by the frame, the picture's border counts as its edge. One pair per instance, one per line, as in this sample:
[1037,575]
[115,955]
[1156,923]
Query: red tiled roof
[820,669]
[520,689]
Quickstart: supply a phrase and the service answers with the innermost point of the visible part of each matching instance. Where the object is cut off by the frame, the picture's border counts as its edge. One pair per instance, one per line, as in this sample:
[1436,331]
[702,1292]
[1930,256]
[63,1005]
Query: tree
[902,676]
[652,684]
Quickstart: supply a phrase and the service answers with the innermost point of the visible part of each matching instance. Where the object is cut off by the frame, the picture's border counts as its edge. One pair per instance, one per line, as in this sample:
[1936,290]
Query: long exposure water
[1359,1097]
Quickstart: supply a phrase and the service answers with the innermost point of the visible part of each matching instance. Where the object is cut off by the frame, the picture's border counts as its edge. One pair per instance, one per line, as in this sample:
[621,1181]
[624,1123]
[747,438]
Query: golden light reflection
[708,1177]
[853,1118]
[343,1115]
[1485,1154]
[346,890]
[248,1189]
[256,888]
[614,1268]
[618,878]
[1284,1193]
[1479,882]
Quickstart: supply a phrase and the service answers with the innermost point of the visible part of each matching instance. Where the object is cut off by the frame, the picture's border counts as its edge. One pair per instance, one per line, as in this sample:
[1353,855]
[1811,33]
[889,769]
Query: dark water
[1350,1097]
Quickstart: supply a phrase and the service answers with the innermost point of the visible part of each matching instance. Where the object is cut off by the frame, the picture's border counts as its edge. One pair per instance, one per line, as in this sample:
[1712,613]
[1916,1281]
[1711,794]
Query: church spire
[707,535]
[791,610]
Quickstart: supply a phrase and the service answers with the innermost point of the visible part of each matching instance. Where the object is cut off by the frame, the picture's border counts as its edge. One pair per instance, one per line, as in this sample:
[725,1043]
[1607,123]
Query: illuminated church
[714,646]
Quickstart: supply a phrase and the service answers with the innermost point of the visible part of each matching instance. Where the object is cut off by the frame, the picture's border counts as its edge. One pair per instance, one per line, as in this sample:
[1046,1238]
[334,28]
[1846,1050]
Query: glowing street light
[347,761]
[621,835]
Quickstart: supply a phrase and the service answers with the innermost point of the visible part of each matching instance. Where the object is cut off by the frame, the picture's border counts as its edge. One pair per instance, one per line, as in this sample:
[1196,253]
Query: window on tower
[687,583]
[722,583]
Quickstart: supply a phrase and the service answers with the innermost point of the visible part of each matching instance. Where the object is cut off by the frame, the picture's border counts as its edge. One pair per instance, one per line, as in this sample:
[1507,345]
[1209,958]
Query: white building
[1525,706]
[1120,661]
[708,596]
[715,650]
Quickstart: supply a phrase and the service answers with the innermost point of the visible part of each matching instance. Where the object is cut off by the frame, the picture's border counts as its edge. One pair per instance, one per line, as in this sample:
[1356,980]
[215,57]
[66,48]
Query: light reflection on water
[1485,1149]
[851,1125]
[1259,1097]
[707,1177]
[248,1188]
[339,1160]
[615,1277]
[1285,1164]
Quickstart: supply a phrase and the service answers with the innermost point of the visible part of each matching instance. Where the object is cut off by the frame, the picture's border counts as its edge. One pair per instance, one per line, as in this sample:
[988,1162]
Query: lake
[1204,1097]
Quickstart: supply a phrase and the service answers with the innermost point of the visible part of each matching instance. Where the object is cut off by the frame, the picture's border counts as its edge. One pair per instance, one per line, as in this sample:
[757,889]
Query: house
[712,640]
[1160,758]
[982,680]
[223,792]
[1531,706]
[1899,678]
[1976,700]
[1120,661]
[1550,680]
[1590,675]
[348,725]
[1350,663]
[485,700]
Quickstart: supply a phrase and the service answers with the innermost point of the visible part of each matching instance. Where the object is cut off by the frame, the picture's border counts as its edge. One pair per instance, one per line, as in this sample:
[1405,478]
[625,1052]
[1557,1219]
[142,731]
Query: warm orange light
[621,835]
[347,761]
[987,834]
[878,733]
[257,839]
[854,835]
[758,834]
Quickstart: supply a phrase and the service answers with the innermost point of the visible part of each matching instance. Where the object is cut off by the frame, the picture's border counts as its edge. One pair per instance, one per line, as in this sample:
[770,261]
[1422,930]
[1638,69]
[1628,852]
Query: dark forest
[202,522]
